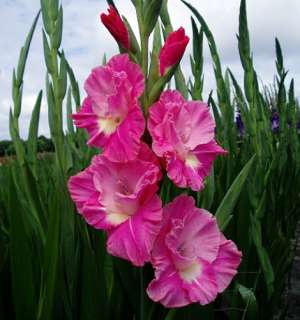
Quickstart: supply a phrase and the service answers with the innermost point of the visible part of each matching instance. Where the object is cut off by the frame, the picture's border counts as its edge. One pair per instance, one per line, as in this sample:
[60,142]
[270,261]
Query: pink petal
[82,189]
[226,264]
[99,85]
[111,114]
[167,289]
[203,289]
[133,240]
[85,196]
[201,122]
[133,71]
[183,134]
[206,154]
[160,122]
[124,145]
[197,234]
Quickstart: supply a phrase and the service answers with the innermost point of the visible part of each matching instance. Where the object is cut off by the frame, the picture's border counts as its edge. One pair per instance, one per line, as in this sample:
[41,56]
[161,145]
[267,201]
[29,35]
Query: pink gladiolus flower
[183,134]
[121,199]
[111,113]
[192,259]
[116,27]
[173,50]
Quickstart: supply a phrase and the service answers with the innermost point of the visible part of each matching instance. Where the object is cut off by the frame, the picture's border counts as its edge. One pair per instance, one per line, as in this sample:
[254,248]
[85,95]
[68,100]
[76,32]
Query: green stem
[144,51]
[141,293]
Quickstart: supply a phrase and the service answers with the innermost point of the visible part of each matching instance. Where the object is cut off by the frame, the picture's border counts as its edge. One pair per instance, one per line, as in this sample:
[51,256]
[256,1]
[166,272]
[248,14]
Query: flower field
[158,202]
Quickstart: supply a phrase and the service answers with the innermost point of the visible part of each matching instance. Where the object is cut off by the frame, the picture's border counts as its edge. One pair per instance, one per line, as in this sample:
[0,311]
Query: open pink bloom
[192,259]
[121,198]
[173,50]
[116,27]
[183,134]
[111,113]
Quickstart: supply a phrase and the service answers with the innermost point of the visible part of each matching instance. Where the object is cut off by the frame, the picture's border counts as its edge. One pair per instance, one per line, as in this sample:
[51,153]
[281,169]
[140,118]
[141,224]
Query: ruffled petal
[203,288]
[194,232]
[226,264]
[167,290]
[133,240]
[124,144]
[133,71]
[201,123]
[82,189]
[85,195]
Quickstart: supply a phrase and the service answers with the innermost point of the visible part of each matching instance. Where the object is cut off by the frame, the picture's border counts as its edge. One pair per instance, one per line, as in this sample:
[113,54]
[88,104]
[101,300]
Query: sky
[85,41]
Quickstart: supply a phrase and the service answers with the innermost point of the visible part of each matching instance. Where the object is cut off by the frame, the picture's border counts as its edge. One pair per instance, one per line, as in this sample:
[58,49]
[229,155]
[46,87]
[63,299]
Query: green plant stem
[145,48]
[141,293]
[144,38]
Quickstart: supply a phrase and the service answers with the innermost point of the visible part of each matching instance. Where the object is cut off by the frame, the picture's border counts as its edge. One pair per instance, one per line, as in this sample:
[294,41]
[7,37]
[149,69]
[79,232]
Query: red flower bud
[116,27]
[173,50]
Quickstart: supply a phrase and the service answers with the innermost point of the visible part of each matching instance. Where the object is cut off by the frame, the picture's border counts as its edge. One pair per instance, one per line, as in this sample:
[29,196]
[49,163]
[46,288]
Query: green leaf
[46,16]
[69,114]
[279,57]
[47,54]
[33,130]
[51,256]
[50,100]
[171,314]
[152,11]
[263,256]
[154,65]
[209,191]
[63,79]
[74,85]
[57,35]
[134,45]
[93,291]
[25,50]
[251,307]
[129,280]
[165,17]
[23,290]
[180,83]
[53,9]
[214,53]
[160,84]
[229,201]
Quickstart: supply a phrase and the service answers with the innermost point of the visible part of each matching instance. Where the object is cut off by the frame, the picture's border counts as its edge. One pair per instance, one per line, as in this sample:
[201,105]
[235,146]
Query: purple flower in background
[275,121]
[239,124]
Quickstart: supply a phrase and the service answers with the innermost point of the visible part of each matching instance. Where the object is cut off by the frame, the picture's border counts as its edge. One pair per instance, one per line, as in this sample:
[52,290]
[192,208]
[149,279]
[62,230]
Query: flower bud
[173,49]
[116,27]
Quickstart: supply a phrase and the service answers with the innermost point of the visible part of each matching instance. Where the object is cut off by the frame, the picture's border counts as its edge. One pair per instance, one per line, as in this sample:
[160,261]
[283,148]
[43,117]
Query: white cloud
[86,40]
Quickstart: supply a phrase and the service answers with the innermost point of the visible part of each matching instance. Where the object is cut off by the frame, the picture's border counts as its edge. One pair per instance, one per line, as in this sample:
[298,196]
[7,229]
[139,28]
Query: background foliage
[54,266]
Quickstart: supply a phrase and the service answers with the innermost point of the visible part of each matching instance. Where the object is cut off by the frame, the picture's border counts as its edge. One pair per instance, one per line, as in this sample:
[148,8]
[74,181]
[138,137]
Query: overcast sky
[85,41]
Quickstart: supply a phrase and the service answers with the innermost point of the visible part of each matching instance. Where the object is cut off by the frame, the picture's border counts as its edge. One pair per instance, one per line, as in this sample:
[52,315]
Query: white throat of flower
[192,161]
[116,218]
[191,272]
[109,124]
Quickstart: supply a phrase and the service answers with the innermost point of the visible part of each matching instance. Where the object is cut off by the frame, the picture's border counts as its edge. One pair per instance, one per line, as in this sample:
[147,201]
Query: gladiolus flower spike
[118,191]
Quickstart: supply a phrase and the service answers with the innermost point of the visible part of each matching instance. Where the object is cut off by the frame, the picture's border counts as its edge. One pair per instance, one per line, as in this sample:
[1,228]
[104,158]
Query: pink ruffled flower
[192,259]
[183,134]
[111,113]
[121,198]
[173,50]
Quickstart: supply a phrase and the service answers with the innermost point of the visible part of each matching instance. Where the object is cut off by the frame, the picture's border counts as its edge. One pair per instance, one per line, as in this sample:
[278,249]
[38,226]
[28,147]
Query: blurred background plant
[53,266]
